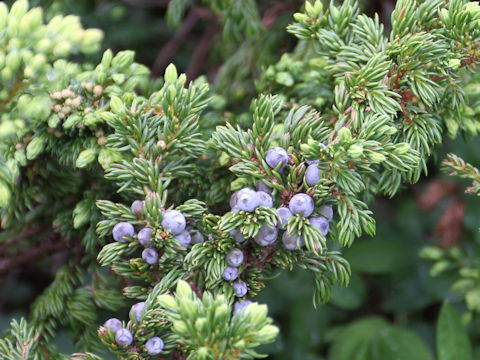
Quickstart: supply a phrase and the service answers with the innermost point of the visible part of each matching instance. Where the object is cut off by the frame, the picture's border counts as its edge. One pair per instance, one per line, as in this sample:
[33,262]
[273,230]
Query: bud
[377,157]
[402,148]
[91,39]
[13,60]
[301,18]
[35,147]
[107,58]
[355,151]
[344,134]
[116,104]
[4,194]
[123,59]
[72,121]
[19,9]
[118,78]
[62,49]
[454,64]
[284,78]
[170,73]
[85,158]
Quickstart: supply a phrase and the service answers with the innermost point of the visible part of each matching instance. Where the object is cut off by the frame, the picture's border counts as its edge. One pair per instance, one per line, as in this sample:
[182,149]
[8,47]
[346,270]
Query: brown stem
[17,239]
[165,55]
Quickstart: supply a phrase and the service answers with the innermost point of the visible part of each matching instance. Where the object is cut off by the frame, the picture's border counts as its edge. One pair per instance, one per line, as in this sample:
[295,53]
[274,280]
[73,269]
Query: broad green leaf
[452,338]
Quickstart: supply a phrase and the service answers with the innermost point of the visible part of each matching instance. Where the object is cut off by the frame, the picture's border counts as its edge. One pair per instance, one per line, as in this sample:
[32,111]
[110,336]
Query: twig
[17,239]
[170,47]
[202,50]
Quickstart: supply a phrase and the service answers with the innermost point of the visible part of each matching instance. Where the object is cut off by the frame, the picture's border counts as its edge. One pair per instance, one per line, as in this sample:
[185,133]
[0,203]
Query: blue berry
[137,207]
[235,257]
[123,337]
[237,235]
[150,256]
[301,204]
[138,309]
[247,200]
[144,236]
[326,211]
[320,223]
[312,175]
[311,162]
[123,230]
[240,288]
[114,324]
[230,273]
[239,306]
[197,237]
[292,241]
[154,345]
[184,238]
[174,221]
[276,156]
[261,186]
[264,199]
[266,236]
[284,214]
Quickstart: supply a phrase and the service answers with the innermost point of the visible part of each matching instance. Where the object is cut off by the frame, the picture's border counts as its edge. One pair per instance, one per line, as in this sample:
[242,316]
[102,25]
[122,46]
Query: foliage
[87,147]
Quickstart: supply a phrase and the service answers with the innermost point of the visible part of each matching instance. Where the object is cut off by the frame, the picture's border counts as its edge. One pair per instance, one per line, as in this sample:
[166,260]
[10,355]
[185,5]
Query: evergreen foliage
[135,175]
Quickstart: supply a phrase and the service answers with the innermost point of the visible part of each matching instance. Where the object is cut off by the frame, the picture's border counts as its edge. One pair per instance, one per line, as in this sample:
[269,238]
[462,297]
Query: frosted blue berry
[312,175]
[137,207]
[261,186]
[123,337]
[235,257]
[292,241]
[230,273]
[301,204]
[320,223]
[184,238]
[174,221]
[237,235]
[113,324]
[238,306]
[311,162]
[150,256]
[266,236]
[264,199]
[144,236]
[138,309]
[276,156]
[247,200]
[326,211]
[284,214]
[154,345]
[240,288]
[123,230]
[197,237]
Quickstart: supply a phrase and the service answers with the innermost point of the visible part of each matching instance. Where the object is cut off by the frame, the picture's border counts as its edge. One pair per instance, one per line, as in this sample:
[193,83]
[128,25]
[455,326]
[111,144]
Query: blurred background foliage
[392,293]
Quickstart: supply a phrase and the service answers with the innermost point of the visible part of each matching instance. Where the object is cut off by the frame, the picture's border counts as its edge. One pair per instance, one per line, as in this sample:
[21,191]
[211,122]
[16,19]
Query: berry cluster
[124,337]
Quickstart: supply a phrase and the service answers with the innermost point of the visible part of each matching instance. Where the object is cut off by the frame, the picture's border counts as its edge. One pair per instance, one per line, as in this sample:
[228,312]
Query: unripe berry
[114,324]
[174,221]
[137,309]
[264,199]
[312,175]
[266,236]
[150,256]
[235,257]
[184,238]
[326,211]
[154,345]
[238,306]
[301,204]
[240,288]
[197,237]
[320,223]
[238,236]
[137,207]
[276,156]
[292,241]
[247,199]
[144,236]
[123,230]
[123,337]
[230,273]
[261,186]
[284,214]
